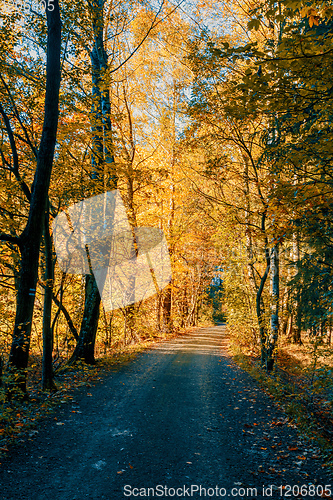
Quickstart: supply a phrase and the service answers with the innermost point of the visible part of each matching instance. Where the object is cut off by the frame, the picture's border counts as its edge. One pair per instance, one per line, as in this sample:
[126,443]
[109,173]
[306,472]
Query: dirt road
[178,418]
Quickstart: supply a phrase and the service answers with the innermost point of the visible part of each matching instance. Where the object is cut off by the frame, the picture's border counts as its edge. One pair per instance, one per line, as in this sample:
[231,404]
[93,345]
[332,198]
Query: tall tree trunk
[167,306]
[47,368]
[102,164]
[275,280]
[167,302]
[131,310]
[29,241]
[85,348]
[259,300]
[249,243]
[296,335]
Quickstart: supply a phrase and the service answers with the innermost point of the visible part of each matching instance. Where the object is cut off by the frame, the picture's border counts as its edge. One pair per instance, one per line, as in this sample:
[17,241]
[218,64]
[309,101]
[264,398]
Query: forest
[211,122]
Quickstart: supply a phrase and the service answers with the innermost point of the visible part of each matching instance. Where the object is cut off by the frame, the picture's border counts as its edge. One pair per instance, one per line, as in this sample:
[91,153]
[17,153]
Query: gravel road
[179,421]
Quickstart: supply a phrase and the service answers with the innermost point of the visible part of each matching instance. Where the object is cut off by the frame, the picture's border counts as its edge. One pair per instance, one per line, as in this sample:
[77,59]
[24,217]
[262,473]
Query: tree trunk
[85,348]
[30,239]
[167,306]
[296,334]
[259,301]
[272,340]
[290,327]
[47,369]
[249,243]
[102,163]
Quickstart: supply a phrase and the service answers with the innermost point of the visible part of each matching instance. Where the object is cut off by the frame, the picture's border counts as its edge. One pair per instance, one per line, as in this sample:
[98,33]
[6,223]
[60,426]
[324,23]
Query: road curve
[180,417]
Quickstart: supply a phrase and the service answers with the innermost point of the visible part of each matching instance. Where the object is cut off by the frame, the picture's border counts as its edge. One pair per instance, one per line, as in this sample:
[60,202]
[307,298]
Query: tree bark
[29,241]
[296,336]
[102,162]
[259,300]
[167,307]
[273,336]
[85,348]
[47,368]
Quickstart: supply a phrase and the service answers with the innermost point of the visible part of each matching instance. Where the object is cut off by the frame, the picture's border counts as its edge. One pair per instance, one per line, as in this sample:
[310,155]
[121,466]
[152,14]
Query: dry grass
[297,358]
[302,383]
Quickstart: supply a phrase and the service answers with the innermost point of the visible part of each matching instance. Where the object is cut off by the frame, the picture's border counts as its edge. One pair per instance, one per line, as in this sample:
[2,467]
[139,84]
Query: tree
[104,168]
[30,239]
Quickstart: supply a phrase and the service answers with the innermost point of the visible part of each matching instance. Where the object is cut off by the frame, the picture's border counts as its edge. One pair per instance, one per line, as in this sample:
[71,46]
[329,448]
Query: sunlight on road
[206,341]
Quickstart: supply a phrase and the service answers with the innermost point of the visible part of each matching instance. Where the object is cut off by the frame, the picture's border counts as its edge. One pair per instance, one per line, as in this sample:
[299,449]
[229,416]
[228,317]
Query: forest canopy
[212,123]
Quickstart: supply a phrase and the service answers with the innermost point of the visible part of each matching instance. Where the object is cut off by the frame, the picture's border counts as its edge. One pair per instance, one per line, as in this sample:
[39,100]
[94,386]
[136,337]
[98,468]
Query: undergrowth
[311,410]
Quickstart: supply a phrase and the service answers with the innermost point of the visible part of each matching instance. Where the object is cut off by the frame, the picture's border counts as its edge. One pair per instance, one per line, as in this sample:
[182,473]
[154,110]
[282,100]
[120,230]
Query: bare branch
[15,168]
[152,26]
[10,238]
[17,114]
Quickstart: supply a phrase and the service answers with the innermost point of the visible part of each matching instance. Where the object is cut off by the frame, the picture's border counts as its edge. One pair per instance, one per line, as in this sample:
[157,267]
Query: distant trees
[240,179]
[119,126]
[270,98]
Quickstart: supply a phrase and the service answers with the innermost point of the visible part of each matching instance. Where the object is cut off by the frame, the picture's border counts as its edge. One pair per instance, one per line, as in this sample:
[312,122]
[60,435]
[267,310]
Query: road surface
[179,421]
